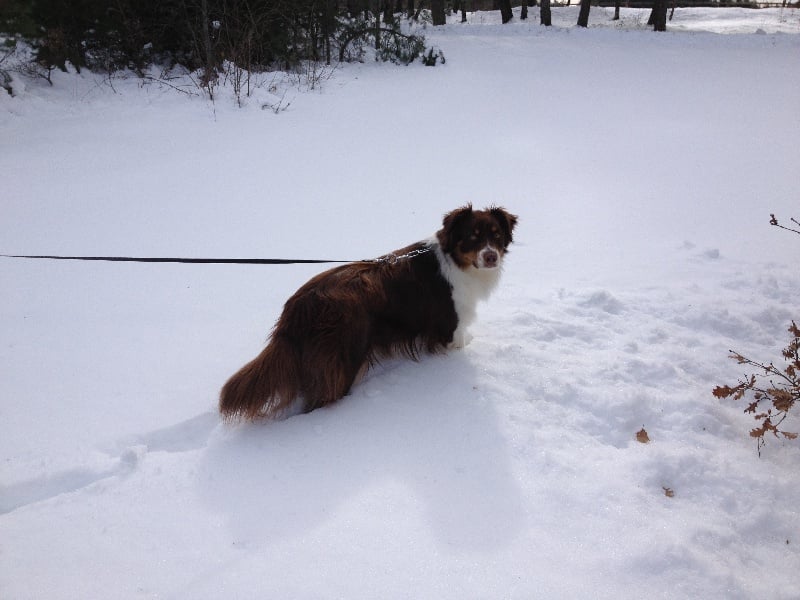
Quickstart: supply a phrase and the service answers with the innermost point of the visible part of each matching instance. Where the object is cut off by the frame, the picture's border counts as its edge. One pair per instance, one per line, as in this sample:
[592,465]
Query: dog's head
[477,238]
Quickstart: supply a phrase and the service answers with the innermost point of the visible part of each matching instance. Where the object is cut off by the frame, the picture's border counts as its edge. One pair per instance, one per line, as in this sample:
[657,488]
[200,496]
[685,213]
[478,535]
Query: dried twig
[773,221]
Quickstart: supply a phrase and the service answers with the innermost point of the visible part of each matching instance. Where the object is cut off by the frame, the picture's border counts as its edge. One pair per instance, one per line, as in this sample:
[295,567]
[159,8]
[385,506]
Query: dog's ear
[450,225]
[506,220]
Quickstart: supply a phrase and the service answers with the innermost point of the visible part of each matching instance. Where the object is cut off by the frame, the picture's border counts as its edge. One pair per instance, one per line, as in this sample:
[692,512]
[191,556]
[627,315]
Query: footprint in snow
[123,459]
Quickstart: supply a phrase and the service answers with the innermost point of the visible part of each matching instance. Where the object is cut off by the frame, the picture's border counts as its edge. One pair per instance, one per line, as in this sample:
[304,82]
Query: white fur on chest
[469,287]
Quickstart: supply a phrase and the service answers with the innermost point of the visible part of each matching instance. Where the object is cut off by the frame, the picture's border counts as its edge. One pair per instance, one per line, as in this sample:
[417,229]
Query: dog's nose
[490,258]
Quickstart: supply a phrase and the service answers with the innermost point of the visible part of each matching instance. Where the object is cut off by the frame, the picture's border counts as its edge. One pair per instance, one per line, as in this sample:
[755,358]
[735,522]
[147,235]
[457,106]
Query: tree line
[111,35]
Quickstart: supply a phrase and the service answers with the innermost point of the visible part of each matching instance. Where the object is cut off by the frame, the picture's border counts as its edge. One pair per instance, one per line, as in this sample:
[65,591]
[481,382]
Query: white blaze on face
[488,258]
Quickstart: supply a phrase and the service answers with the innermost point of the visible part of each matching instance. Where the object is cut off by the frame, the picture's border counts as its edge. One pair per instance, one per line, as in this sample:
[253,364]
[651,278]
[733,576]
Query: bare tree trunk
[377,28]
[388,13]
[616,11]
[544,14]
[437,12]
[524,11]
[505,10]
[658,16]
[209,69]
[583,15]
[326,24]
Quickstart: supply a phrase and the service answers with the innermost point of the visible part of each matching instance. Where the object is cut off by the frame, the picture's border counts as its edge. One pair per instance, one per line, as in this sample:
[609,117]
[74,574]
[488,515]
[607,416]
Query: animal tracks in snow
[191,434]
[35,490]
[119,460]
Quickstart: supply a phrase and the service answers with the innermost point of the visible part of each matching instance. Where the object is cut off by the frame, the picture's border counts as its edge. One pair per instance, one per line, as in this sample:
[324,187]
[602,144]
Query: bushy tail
[266,387]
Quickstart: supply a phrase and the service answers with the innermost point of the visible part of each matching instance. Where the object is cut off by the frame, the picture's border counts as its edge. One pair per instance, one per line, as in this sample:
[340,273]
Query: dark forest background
[253,35]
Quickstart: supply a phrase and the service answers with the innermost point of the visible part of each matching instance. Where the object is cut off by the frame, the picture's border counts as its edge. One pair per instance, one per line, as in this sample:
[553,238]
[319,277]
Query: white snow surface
[643,168]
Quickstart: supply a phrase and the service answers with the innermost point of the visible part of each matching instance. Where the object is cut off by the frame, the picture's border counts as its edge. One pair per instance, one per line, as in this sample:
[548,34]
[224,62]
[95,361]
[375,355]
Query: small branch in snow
[168,84]
[774,221]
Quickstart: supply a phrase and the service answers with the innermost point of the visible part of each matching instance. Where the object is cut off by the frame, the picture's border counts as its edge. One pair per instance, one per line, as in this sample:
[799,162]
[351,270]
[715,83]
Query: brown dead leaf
[668,492]
[641,436]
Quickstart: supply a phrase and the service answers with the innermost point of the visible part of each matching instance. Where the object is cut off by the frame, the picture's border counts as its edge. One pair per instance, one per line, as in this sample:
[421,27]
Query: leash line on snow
[200,261]
[388,258]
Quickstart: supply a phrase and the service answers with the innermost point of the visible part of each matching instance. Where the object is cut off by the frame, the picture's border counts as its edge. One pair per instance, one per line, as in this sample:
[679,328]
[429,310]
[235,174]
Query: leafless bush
[773,391]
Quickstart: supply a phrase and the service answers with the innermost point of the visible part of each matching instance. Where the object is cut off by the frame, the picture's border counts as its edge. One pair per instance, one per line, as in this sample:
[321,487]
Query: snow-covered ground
[643,168]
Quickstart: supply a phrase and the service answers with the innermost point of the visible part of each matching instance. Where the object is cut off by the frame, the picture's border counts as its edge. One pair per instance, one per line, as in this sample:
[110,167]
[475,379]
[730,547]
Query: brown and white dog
[421,298]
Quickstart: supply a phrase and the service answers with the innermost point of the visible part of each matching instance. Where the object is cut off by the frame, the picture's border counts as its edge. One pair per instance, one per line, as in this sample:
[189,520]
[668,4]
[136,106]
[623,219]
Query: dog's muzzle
[488,258]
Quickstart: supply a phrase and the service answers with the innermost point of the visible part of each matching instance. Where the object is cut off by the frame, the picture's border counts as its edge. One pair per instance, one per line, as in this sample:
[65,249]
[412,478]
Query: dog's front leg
[461,337]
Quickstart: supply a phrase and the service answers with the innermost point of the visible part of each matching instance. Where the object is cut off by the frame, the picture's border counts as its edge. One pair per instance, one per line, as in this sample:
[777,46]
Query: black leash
[388,258]
[196,261]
